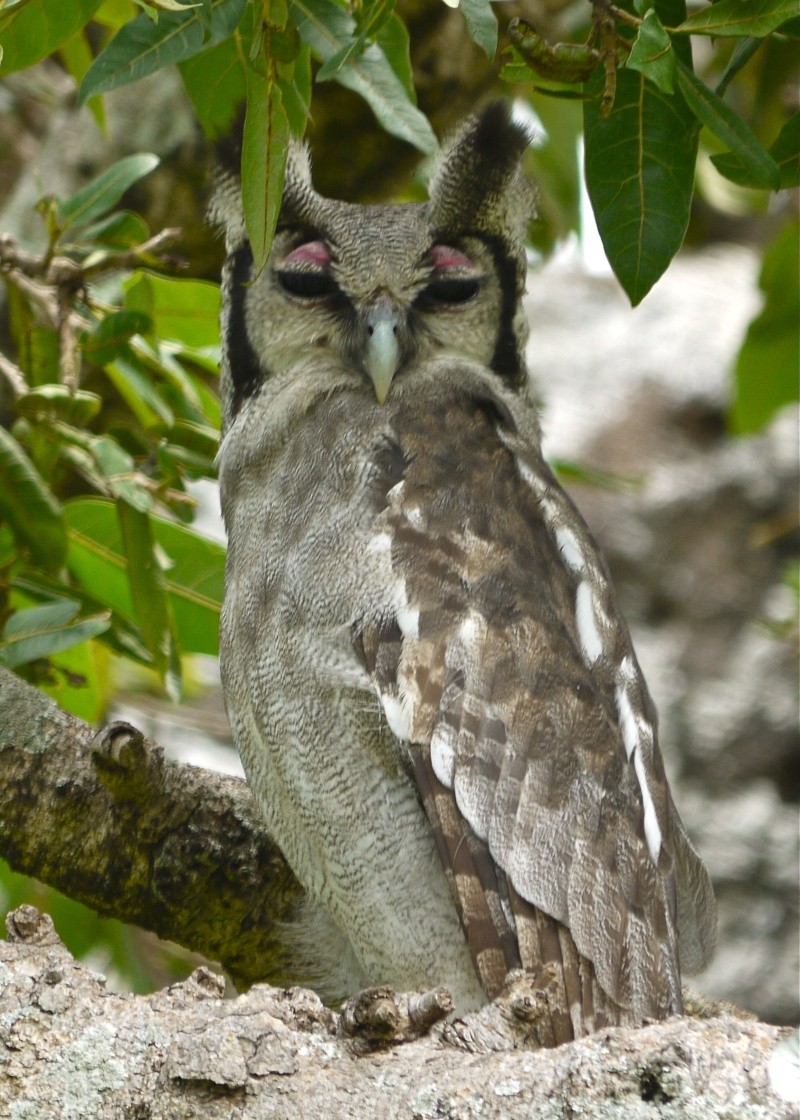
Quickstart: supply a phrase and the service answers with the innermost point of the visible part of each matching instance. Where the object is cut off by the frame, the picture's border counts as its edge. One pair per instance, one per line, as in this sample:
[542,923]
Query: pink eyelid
[445,256]
[312,252]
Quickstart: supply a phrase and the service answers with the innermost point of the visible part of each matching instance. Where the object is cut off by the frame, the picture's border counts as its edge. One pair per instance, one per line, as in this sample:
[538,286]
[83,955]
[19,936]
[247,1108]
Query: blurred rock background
[698,525]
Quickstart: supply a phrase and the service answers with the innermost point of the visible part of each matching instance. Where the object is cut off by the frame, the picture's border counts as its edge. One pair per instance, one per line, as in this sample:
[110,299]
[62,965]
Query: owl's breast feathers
[504,667]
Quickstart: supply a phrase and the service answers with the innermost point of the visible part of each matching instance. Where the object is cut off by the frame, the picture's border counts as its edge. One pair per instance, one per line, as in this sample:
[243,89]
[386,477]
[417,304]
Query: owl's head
[379,289]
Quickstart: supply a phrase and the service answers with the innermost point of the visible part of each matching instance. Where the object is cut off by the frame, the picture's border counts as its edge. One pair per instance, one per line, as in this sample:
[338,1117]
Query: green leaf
[184,310]
[149,594]
[43,631]
[265,146]
[652,53]
[742,53]
[109,337]
[730,128]
[639,168]
[59,402]
[326,28]
[395,42]
[32,31]
[194,583]
[766,368]
[141,47]
[294,82]
[118,470]
[216,82]
[739,17]
[481,23]
[786,152]
[121,230]
[104,192]
[29,507]
[135,386]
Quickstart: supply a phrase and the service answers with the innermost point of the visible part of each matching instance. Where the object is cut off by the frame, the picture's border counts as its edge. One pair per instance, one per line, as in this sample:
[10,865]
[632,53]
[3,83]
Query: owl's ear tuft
[478,184]
[300,200]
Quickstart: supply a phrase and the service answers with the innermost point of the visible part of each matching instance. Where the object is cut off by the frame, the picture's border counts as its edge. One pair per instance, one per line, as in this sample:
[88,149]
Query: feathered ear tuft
[300,200]
[478,183]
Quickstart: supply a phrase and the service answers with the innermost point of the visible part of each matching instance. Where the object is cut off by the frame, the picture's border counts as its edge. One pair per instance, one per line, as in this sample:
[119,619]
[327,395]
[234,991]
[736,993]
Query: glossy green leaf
[482,24]
[136,387]
[785,151]
[141,47]
[741,55]
[652,53]
[59,402]
[42,631]
[104,192]
[194,582]
[28,506]
[184,310]
[32,31]
[395,42]
[294,82]
[730,128]
[265,146]
[216,82]
[149,594]
[740,17]
[111,334]
[639,168]
[118,471]
[371,17]
[766,372]
[121,230]
[326,28]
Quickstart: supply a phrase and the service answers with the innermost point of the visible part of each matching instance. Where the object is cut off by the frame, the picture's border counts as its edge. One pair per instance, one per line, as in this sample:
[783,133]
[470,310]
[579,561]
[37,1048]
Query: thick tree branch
[70,1048]
[109,821]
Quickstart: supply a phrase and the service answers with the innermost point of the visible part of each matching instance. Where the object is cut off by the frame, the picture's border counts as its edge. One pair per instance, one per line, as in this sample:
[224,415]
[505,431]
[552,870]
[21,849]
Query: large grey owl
[430,684]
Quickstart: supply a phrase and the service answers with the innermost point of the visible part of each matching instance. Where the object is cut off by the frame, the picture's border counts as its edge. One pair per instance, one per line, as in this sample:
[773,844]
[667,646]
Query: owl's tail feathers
[576,1004]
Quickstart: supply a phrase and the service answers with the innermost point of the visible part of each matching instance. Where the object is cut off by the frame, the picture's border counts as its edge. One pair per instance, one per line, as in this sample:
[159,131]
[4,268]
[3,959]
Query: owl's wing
[503,663]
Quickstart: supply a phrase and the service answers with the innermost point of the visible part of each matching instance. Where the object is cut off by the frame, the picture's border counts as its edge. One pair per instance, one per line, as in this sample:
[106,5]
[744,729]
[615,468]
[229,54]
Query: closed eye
[307,284]
[449,289]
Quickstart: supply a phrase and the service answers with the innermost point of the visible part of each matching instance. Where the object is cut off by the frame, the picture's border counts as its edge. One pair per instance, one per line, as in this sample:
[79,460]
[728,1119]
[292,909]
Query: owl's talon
[376,1017]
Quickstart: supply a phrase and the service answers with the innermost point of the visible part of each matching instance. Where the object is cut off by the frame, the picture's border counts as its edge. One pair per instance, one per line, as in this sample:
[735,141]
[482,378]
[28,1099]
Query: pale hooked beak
[382,349]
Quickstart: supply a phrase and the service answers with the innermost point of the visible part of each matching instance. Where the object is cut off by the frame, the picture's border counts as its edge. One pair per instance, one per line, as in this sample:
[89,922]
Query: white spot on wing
[443,757]
[414,516]
[570,549]
[468,630]
[651,830]
[407,616]
[408,621]
[586,618]
[630,735]
[399,715]
[380,543]
[636,731]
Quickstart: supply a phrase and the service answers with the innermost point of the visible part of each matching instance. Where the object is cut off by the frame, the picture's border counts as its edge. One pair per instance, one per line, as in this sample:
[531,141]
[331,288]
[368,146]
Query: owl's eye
[448,283]
[309,280]
[452,289]
[309,285]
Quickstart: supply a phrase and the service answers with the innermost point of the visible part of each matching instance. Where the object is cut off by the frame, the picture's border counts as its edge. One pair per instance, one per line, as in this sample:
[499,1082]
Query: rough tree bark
[181,851]
[71,1049]
[109,821]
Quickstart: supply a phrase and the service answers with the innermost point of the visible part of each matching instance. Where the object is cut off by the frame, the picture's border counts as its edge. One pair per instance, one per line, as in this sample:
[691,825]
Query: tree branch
[70,1048]
[109,821]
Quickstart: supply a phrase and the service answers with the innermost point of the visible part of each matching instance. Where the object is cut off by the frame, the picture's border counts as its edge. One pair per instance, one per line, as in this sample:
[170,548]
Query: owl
[429,681]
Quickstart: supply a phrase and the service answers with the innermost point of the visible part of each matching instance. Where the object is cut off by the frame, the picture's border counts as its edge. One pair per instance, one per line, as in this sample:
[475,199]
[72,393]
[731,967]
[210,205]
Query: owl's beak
[382,350]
